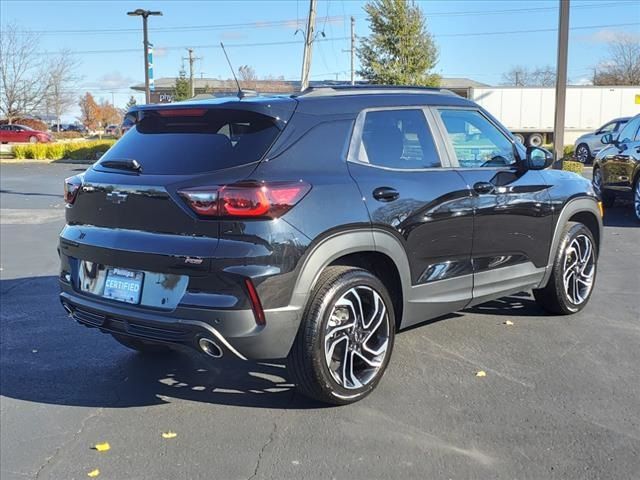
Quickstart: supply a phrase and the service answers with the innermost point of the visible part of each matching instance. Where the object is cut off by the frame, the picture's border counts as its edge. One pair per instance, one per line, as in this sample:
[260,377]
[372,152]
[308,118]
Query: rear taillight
[248,200]
[71,187]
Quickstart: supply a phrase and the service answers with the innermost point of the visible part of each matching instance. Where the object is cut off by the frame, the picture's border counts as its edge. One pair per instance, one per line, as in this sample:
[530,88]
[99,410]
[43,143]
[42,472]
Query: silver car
[588,145]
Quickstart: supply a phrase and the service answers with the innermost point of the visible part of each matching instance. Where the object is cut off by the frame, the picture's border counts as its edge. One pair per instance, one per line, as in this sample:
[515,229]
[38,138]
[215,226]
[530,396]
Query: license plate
[123,285]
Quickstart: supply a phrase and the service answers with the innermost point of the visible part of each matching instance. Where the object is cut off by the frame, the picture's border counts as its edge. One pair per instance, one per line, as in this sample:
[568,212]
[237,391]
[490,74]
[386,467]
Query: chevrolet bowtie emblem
[117,197]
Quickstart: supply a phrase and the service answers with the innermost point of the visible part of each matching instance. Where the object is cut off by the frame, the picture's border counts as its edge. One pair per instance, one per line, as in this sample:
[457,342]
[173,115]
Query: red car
[21,133]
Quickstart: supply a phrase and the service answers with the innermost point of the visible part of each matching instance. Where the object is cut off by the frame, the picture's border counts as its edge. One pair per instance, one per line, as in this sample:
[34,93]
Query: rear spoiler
[280,109]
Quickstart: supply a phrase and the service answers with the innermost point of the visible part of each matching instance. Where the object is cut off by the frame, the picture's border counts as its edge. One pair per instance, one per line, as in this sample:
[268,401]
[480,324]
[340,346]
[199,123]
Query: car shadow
[521,304]
[39,194]
[48,358]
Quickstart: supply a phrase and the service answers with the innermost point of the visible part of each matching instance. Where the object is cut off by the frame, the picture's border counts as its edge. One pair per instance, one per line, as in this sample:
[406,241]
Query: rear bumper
[234,331]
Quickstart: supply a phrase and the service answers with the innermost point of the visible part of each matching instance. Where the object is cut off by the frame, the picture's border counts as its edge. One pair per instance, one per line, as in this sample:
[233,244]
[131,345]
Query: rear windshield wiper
[133,165]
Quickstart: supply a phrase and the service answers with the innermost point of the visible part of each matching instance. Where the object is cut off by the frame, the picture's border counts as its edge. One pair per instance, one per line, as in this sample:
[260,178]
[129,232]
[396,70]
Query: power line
[291,22]
[297,42]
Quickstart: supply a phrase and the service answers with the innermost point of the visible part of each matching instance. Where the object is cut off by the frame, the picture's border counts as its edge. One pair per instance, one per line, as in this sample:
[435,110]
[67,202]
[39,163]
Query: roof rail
[348,89]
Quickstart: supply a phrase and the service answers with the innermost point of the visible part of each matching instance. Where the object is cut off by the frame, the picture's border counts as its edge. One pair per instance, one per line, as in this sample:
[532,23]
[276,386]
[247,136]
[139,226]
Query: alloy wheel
[356,337]
[582,154]
[579,269]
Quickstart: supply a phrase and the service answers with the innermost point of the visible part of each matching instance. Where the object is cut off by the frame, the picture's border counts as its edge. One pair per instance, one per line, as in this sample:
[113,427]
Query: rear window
[195,141]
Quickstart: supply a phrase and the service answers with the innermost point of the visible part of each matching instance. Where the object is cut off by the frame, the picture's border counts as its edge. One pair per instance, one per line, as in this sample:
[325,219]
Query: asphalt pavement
[560,400]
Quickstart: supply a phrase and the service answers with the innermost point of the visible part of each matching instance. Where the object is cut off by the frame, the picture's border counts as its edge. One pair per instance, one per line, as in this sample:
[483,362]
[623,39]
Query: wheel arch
[584,210]
[377,251]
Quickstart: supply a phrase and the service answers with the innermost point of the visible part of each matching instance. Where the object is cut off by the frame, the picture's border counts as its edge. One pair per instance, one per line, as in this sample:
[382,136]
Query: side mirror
[538,158]
[607,139]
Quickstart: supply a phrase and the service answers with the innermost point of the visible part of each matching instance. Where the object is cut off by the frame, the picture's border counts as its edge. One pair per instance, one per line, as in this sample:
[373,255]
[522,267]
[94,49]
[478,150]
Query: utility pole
[145,42]
[306,58]
[561,81]
[191,59]
[352,50]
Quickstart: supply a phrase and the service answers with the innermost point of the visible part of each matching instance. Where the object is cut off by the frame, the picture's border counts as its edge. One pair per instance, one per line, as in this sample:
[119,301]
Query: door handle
[385,194]
[484,187]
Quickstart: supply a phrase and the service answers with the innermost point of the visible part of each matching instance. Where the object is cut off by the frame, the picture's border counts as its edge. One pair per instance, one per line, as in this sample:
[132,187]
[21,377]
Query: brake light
[182,112]
[71,187]
[249,200]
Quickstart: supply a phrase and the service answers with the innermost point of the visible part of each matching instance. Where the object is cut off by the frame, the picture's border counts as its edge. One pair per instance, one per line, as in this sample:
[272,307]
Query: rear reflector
[256,306]
[71,187]
[249,200]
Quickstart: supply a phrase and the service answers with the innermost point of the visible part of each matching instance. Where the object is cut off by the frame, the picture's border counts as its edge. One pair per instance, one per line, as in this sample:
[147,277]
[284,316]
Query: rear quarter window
[195,142]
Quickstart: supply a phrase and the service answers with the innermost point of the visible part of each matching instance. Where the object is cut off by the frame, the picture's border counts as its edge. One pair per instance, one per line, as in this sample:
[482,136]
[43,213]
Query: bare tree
[22,75]
[623,65]
[543,77]
[61,80]
[518,76]
[247,73]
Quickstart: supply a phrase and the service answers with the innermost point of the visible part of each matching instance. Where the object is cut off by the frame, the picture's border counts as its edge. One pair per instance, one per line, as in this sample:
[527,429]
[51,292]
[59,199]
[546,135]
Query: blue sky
[477,39]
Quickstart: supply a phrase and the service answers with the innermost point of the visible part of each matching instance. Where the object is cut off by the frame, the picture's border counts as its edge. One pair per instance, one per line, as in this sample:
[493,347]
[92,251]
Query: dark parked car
[313,228]
[22,133]
[616,169]
[76,128]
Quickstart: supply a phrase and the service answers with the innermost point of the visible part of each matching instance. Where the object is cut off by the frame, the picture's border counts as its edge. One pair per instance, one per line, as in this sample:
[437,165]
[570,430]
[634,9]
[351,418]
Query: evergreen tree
[182,90]
[400,49]
[131,103]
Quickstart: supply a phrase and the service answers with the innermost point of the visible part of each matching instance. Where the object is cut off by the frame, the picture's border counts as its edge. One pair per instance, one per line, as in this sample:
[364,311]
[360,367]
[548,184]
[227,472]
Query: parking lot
[561,398]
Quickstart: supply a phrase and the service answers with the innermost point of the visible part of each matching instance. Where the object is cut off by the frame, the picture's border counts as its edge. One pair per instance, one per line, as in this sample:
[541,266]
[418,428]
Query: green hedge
[575,167]
[56,151]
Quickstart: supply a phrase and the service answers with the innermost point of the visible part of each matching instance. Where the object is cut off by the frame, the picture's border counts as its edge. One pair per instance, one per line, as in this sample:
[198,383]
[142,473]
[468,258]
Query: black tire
[636,197]
[141,345]
[535,140]
[583,154]
[306,361]
[607,197]
[554,297]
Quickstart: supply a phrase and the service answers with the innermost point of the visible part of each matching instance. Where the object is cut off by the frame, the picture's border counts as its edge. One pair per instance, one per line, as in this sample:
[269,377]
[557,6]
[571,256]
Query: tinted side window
[620,126]
[475,140]
[608,128]
[628,133]
[398,139]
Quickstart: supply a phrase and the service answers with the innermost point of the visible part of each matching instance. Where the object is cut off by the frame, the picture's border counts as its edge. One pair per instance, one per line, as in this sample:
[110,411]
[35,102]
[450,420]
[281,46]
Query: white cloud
[606,35]
[114,80]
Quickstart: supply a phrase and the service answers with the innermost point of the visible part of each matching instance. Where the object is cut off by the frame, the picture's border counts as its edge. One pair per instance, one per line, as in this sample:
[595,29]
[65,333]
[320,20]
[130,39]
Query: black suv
[314,227]
[616,168]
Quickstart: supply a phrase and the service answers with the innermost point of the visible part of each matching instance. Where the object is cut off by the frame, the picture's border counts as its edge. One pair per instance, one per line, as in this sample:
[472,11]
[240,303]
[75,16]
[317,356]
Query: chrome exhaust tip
[67,308]
[210,348]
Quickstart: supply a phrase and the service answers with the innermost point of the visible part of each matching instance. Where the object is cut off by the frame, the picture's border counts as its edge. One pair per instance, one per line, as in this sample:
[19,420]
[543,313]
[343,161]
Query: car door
[9,135]
[20,134]
[5,133]
[412,193]
[619,163]
[513,220]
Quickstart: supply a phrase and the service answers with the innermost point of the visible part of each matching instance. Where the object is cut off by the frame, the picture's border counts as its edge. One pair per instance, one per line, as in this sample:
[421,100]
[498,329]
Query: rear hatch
[136,185]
